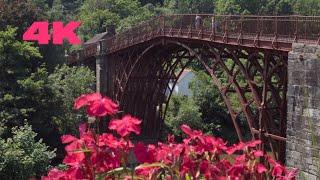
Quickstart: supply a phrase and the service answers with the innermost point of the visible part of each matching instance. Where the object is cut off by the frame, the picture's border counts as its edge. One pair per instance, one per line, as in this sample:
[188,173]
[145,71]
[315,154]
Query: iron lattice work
[257,78]
[246,57]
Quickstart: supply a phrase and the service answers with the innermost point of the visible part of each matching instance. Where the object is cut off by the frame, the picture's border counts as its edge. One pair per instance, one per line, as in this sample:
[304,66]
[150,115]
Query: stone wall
[303,121]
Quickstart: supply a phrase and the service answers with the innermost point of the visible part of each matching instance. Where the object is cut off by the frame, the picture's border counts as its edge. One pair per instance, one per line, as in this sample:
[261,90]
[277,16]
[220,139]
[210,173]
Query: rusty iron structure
[246,57]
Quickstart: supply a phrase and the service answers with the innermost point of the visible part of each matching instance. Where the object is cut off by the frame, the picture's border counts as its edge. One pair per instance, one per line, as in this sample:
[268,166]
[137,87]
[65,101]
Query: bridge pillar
[303,118]
[101,79]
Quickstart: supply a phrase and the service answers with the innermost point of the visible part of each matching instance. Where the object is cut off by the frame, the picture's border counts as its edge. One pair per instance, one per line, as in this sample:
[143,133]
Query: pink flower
[235,147]
[126,125]
[193,134]
[242,146]
[54,174]
[75,173]
[214,145]
[236,170]
[204,167]
[170,138]
[96,104]
[74,144]
[107,139]
[71,173]
[103,161]
[253,143]
[146,171]
[291,174]
[74,159]
[261,168]
[102,107]
[65,139]
[144,154]
[278,170]
[188,166]
[86,99]
[223,165]
[257,153]
[241,158]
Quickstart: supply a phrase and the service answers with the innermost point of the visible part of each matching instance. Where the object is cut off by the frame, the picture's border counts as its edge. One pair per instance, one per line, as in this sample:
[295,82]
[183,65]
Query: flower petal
[67,139]
[86,99]
[261,168]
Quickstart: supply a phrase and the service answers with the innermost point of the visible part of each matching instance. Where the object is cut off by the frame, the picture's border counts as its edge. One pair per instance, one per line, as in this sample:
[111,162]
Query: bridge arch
[257,77]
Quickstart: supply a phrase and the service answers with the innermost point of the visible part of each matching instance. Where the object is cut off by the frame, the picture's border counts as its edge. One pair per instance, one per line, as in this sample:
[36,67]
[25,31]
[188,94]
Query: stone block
[313,169]
[298,47]
[312,80]
[291,146]
[307,176]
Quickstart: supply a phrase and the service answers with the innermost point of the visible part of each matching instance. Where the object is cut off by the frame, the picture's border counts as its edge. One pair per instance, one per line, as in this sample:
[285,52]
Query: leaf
[188,177]
[162,165]
[118,171]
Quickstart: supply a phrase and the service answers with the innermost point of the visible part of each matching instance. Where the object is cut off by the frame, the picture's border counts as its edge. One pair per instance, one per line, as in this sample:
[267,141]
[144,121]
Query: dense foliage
[22,157]
[29,92]
[199,156]
[97,15]
[183,110]
[204,110]
[67,83]
[255,7]
[17,60]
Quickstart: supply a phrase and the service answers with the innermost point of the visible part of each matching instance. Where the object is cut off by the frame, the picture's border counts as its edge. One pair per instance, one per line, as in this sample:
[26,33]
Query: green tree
[68,83]
[20,14]
[49,101]
[255,7]
[207,96]
[228,7]
[17,59]
[307,7]
[189,6]
[22,157]
[39,104]
[71,7]
[51,97]
[183,110]
[96,15]
[28,92]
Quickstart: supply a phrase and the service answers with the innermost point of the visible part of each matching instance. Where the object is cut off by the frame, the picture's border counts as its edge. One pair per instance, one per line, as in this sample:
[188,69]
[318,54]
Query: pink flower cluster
[199,156]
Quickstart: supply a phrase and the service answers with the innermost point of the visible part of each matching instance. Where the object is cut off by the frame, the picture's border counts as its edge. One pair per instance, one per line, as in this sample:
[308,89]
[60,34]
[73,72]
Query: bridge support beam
[101,69]
[303,120]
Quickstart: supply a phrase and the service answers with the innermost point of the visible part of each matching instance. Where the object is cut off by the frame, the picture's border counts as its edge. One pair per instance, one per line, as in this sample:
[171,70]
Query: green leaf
[117,171]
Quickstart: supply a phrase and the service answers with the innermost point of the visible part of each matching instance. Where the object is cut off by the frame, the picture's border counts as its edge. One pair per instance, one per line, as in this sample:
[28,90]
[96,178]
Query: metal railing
[275,32]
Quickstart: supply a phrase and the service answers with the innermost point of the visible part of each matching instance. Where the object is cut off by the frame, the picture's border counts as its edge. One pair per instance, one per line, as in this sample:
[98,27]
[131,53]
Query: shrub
[21,156]
[183,110]
[199,156]
[67,83]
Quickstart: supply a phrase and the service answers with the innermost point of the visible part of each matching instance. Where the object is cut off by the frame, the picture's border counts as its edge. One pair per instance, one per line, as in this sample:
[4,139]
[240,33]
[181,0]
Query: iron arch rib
[143,85]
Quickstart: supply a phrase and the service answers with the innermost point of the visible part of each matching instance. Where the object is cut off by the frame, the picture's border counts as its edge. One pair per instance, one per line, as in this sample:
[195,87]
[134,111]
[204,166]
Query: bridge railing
[221,28]
[269,28]
[135,34]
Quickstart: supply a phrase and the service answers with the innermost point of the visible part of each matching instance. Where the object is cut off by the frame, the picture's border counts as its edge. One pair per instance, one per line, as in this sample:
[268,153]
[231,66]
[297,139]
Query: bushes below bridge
[203,110]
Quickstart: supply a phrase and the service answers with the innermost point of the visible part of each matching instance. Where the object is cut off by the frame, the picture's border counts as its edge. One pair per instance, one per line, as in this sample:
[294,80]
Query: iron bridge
[246,57]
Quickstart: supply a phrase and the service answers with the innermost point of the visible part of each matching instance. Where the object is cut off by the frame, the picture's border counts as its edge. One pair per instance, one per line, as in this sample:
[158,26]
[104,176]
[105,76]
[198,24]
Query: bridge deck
[267,32]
